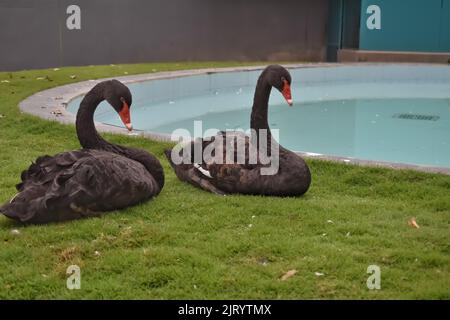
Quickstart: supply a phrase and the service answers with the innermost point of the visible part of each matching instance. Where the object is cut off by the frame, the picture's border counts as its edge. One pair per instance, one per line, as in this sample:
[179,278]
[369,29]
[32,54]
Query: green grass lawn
[187,243]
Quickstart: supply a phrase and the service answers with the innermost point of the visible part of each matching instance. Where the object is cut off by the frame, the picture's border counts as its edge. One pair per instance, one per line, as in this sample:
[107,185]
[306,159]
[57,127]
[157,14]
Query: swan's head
[280,78]
[119,97]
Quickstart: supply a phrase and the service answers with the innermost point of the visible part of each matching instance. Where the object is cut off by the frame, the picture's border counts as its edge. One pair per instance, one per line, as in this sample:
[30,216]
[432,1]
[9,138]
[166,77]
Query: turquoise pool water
[385,113]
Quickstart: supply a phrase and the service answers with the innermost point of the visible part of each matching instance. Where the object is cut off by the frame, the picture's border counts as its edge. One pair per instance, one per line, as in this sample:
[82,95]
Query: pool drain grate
[411,116]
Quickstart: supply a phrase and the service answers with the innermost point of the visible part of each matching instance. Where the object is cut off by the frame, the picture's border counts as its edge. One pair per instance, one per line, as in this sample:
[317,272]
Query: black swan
[293,177]
[98,178]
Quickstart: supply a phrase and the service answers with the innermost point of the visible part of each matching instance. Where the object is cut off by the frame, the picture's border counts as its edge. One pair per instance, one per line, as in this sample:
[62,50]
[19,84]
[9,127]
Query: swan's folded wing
[81,183]
[46,168]
[101,182]
[36,182]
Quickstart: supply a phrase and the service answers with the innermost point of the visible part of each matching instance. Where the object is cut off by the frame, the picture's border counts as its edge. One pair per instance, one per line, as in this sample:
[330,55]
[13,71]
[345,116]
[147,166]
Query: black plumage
[293,177]
[98,178]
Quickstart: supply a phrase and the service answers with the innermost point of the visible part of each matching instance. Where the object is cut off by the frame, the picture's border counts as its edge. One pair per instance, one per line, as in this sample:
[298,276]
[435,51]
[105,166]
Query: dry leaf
[288,274]
[413,223]
[68,253]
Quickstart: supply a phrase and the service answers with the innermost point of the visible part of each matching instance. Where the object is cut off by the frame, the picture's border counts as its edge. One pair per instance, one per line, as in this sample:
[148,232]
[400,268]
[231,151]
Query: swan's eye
[122,99]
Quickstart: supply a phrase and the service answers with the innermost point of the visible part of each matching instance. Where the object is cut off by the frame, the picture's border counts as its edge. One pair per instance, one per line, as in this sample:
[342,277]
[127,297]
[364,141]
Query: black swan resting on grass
[98,178]
[293,177]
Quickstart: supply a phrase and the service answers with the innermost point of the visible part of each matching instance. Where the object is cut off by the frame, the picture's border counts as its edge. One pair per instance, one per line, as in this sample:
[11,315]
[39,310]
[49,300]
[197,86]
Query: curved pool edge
[51,105]
[375,163]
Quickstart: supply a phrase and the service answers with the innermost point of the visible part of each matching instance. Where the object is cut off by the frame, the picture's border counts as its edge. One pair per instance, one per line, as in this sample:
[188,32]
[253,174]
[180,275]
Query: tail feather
[193,174]
[23,207]
[13,211]
[168,154]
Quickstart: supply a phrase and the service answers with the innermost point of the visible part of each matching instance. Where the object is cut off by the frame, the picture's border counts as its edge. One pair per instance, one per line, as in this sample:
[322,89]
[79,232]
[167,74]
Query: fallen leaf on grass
[288,274]
[68,253]
[44,78]
[413,223]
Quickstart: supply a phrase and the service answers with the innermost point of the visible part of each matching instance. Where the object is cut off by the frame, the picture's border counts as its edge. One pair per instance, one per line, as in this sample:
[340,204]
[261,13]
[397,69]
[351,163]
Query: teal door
[398,25]
[343,26]
[334,29]
[445,26]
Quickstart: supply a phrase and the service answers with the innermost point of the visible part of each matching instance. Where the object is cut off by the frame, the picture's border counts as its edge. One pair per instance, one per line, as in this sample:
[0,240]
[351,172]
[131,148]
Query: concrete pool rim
[51,104]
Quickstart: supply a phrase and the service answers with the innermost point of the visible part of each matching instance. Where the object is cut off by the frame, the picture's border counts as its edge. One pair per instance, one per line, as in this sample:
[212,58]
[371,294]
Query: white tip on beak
[290,102]
[129,126]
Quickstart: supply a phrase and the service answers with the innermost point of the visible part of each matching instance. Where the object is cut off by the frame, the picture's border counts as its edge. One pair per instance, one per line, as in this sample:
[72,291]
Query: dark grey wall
[33,34]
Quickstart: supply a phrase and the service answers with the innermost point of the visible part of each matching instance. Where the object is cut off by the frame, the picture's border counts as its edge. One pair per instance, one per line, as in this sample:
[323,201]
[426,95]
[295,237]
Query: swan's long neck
[86,132]
[90,139]
[260,107]
[259,116]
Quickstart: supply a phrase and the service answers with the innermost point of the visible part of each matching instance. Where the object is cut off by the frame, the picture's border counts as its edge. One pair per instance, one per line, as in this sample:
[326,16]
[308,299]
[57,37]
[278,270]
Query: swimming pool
[389,112]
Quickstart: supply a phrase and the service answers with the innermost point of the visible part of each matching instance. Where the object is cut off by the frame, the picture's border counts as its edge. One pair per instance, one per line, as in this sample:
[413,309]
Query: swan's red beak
[125,116]
[286,92]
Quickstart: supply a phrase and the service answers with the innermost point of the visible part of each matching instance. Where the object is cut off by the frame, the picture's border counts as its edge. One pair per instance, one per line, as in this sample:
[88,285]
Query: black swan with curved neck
[100,177]
[293,176]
